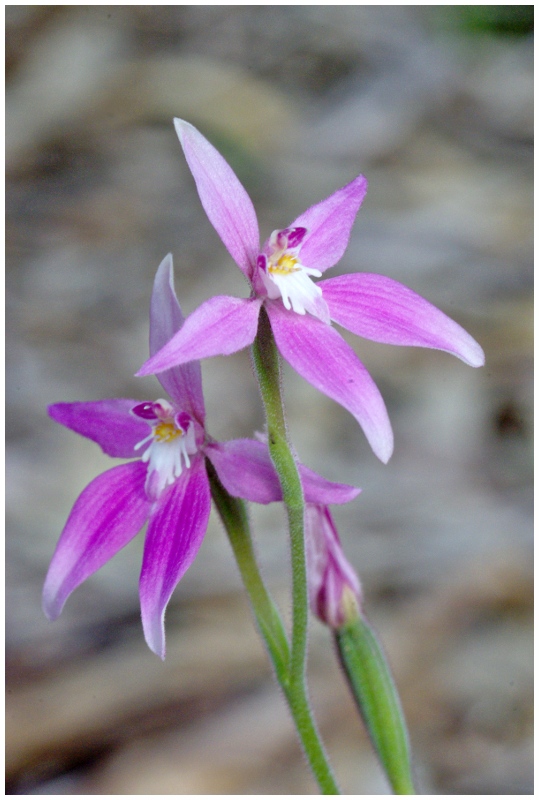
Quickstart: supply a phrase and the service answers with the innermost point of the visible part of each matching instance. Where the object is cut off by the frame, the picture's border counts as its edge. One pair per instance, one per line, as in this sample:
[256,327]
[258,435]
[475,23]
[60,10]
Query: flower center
[286,277]
[166,432]
[284,266]
[171,442]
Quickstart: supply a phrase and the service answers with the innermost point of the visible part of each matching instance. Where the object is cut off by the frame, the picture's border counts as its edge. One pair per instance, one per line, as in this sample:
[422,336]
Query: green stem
[234,517]
[266,359]
[267,366]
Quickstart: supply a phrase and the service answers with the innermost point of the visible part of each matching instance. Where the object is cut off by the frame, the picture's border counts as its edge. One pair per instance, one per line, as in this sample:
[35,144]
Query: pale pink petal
[245,469]
[109,423]
[107,515]
[384,310]
[225,201]
[323,358]
[183,383]
[175,532]
[329,224]
[219,327]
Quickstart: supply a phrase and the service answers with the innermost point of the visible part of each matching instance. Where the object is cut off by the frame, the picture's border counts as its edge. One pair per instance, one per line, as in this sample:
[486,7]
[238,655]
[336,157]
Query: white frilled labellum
[171,441]
[284,275]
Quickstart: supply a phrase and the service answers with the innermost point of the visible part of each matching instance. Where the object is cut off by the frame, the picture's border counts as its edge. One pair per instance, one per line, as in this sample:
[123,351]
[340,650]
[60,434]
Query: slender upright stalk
[267,366]
[234,517]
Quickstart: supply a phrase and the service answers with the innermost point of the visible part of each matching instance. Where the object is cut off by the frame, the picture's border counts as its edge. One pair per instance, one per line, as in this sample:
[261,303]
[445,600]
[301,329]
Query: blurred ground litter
[434,106]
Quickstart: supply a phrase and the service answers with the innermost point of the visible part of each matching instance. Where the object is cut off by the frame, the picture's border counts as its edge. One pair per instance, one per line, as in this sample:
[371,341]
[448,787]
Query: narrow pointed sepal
[225,201]
[176,529]
[381,309]
[108,423]
[329,224]
[107,515]
[321,356]
[219,327]
[375,693]
[183,383]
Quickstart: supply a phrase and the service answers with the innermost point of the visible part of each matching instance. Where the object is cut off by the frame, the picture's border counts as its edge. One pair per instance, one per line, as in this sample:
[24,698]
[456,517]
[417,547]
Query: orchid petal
[323,358]
[106,516]
[219,327]
[245,469]
[175,532]
[319,490]
[109,423]
[329,224]
[384,310]
[225,201]
[182,383]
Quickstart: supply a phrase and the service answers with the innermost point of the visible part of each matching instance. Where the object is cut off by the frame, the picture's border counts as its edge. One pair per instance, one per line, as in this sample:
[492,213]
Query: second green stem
[267,366]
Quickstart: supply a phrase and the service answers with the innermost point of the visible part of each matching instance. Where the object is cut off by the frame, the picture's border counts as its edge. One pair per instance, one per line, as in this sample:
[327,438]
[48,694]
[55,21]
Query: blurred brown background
[434,106]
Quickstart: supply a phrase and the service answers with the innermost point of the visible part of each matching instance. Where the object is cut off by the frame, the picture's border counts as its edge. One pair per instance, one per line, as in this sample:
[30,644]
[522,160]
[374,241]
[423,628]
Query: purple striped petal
[219,327]
[329,224]
[175,532]
[184,383]
[323,358]
[384,310]
[225,201]
[107,515]
[109,423]
[245,469]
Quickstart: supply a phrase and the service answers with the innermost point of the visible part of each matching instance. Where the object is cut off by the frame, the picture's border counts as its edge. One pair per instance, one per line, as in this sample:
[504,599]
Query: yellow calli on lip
[171,440]
[285,277]
[284,266]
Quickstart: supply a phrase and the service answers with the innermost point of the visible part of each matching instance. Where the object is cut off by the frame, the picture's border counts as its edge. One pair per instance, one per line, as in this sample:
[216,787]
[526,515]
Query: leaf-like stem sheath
[374,691]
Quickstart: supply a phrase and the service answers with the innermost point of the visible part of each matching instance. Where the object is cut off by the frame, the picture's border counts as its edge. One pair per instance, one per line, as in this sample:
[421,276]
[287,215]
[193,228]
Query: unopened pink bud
[334,589]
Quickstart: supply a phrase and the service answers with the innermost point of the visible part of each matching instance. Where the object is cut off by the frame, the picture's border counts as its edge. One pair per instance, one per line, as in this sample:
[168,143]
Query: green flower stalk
[267,367]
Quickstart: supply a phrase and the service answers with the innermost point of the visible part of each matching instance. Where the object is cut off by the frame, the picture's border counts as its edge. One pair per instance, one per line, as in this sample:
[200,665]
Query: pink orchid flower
[167,485]
[301,311]
[334,589]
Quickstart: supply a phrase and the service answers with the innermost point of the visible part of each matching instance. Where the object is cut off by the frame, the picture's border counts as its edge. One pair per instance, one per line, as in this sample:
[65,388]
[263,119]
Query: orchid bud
[334,589]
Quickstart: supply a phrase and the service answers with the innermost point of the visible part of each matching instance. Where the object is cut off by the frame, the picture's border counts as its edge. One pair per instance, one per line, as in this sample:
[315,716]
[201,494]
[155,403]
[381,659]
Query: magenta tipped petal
[183,383]
[109,423]
[323,358]
[175,532]
[329,224]
[219,327]
[107,515]
[384,310]
[225,201]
